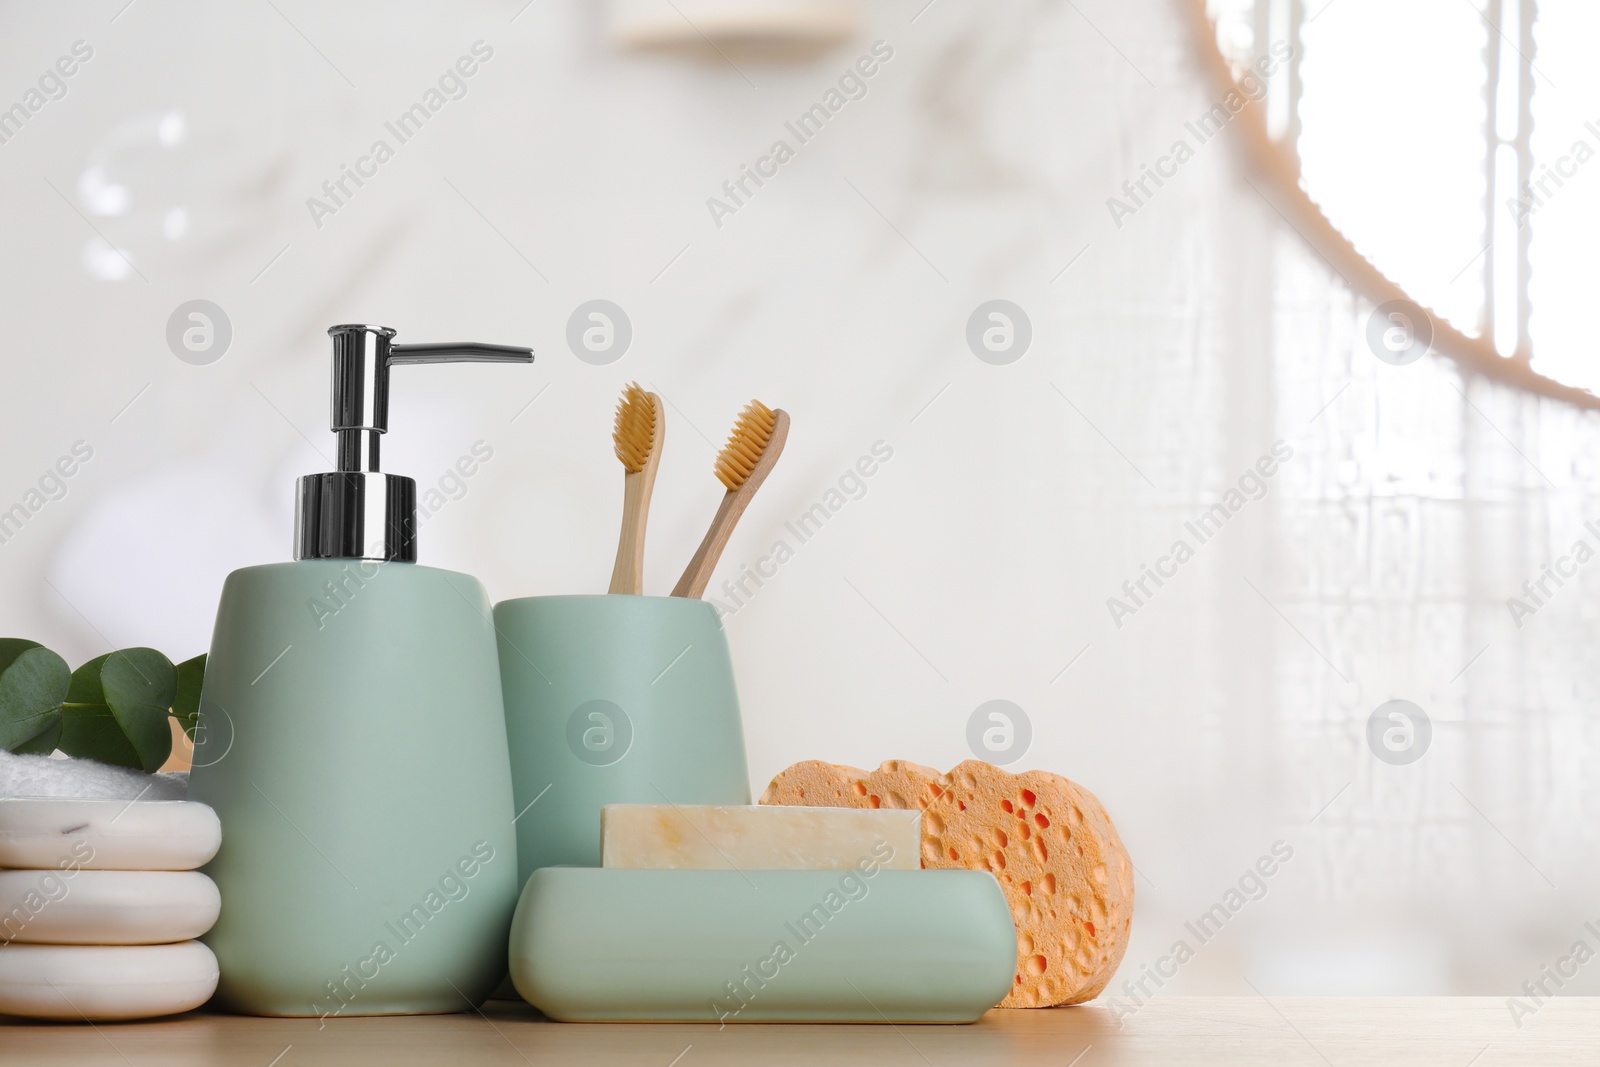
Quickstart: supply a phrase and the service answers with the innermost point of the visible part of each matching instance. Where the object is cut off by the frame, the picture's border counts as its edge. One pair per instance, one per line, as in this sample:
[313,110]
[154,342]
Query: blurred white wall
[1168,355]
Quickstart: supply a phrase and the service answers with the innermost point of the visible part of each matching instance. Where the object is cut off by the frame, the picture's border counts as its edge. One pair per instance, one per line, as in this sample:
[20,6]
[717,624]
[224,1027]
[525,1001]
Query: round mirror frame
[1277,168]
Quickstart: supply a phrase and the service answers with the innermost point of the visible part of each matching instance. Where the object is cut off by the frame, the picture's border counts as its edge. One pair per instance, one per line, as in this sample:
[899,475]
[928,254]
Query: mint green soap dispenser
[353,744]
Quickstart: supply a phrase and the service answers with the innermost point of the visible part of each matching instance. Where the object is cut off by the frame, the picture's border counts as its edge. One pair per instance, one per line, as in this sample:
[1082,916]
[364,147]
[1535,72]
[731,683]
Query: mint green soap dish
[595,944]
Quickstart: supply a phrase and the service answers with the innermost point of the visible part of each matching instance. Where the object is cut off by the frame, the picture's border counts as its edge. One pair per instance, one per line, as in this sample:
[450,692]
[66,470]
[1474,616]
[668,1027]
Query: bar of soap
[710,837]
[80,982]
[106,907]
[855,946]
[123,835]
[1050,843]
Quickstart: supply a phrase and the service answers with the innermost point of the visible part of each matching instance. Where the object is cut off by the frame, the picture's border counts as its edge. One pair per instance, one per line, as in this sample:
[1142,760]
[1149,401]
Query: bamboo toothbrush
[639,431]
[742,465]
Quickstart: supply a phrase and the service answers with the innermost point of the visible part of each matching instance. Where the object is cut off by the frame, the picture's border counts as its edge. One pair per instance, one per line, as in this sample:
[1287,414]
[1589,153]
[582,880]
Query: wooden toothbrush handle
[627,574]
[697,575]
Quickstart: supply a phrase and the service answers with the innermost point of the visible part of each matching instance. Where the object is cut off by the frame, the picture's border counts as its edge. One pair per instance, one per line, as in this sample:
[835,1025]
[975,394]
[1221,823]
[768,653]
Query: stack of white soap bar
[758,838]
[100,904]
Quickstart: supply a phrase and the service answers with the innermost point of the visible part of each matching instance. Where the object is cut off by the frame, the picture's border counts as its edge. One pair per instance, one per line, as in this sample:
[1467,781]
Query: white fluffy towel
[48,776]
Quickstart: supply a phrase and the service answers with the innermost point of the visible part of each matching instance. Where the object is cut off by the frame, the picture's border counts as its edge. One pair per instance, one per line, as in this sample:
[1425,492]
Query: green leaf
[93,733]
[117,709]
[85,688]
[11,648]
[139,684]
[33,682]
[44,742]
[186,700]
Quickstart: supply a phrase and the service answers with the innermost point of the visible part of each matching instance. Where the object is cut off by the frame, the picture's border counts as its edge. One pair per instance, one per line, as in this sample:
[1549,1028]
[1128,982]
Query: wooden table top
[1443,1031]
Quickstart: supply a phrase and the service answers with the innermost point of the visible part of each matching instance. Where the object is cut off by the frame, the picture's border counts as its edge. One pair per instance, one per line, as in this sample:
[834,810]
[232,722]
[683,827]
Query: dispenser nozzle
[357,512]
[362,356]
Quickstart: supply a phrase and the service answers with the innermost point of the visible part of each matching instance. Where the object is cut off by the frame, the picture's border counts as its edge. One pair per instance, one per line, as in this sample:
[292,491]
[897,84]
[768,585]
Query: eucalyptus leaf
[33,683]
[85,688]
[186,701]
[12,647]
[92,732]
[113,709]
[45,741]
[139,685]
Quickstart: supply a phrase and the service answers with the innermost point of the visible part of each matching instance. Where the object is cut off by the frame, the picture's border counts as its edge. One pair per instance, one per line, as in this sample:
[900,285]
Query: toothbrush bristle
[635,432]
[745,444]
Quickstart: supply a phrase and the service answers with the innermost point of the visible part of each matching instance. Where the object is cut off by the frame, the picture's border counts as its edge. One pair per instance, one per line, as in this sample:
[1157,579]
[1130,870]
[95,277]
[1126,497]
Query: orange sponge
[1048,840]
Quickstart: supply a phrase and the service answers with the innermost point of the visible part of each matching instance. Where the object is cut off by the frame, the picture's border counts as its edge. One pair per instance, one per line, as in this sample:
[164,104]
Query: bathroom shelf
[1169,1030]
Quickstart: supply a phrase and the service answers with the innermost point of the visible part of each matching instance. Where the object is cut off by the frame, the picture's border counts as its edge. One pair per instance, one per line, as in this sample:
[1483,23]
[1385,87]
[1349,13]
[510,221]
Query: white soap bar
[79,982]
[106,907]
[758,838]
[120,835]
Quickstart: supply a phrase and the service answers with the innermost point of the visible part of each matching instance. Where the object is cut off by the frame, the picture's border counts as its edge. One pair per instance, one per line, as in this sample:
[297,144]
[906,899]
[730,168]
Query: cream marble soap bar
[713,837]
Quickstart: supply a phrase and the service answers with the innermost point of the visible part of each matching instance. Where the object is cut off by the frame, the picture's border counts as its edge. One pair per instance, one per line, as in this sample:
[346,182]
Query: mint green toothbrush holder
[613,699]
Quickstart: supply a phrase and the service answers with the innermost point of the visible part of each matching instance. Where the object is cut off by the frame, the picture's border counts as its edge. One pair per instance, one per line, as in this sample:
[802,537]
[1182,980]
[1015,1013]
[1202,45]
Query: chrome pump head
[357,512]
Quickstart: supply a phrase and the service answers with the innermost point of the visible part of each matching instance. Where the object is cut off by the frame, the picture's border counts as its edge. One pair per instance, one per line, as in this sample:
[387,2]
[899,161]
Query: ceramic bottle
[353,744]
